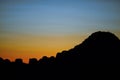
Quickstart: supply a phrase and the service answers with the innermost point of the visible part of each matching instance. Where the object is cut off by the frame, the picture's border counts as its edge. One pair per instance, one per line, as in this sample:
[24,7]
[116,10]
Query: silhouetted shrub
[33,61]
[18,61]
[1,60]
[7,61]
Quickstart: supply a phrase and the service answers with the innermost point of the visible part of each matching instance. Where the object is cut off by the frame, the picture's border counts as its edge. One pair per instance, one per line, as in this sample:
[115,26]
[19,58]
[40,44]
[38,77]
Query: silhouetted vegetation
[99,48]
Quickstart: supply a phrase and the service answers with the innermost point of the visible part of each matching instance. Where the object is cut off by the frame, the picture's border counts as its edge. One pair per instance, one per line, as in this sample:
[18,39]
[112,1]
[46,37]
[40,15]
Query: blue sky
[59,16]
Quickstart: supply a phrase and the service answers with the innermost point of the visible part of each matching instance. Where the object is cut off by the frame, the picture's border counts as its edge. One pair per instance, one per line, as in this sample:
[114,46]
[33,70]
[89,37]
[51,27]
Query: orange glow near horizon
[25,46]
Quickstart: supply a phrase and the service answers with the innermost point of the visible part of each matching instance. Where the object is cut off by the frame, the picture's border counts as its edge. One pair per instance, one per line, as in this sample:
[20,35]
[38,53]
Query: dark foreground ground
[59,72]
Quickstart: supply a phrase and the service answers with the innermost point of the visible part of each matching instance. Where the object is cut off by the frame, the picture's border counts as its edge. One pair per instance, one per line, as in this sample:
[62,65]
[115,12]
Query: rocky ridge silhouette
[100,48]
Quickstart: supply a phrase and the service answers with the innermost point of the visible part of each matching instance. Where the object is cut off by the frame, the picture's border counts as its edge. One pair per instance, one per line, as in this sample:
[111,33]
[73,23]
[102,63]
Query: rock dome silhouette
[101,38]
[99,48]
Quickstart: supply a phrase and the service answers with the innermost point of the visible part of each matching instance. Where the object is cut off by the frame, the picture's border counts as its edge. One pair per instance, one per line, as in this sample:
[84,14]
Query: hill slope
[98,48]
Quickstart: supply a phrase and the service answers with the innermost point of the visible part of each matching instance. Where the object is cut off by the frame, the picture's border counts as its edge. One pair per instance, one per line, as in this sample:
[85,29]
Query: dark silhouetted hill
[98,48]
[101,48]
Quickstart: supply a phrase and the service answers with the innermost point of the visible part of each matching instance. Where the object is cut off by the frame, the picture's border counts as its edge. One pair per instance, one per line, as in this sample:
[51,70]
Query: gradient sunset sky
[36,28]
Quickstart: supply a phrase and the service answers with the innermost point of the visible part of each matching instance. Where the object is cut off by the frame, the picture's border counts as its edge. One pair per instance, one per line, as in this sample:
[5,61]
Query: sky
[37,28]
